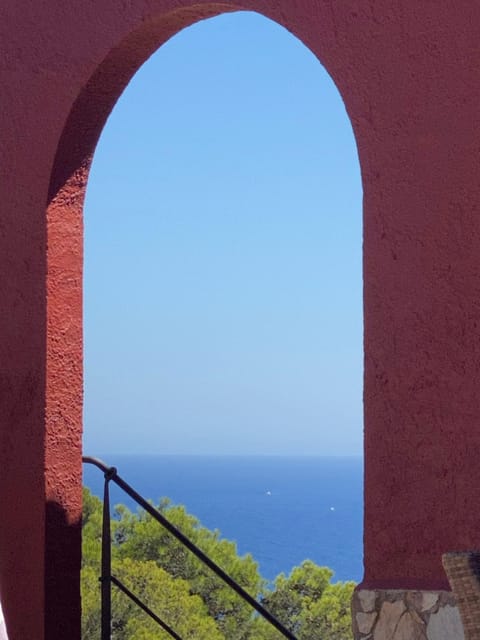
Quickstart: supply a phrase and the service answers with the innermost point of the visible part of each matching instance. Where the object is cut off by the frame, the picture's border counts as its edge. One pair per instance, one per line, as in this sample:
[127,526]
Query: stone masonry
[405,615]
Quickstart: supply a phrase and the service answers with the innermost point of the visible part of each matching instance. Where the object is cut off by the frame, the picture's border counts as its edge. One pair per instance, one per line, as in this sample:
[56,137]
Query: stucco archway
[409,85]
[100,86]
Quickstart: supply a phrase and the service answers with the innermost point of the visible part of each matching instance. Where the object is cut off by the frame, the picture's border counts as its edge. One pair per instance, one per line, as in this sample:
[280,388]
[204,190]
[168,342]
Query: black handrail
[144,607]
[111,475]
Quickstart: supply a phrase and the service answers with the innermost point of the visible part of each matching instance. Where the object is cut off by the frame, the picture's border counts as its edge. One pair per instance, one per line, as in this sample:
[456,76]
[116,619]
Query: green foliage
[329,616]
[170,598]
[144,540]
[91,530]
[309,605]
[188,596]
[305,584]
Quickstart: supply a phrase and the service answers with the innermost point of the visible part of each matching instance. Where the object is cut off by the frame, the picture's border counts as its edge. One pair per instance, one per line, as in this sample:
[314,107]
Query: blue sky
[223,284]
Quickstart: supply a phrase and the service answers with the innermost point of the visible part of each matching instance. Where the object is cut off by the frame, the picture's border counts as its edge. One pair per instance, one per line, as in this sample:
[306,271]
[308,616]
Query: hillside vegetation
[188,596]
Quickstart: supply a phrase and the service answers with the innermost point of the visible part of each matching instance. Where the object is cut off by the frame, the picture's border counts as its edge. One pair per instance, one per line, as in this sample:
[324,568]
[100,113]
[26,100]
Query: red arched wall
[408,73]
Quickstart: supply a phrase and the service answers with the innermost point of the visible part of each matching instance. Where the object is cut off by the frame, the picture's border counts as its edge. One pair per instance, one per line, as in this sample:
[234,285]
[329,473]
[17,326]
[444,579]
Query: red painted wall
[409,76]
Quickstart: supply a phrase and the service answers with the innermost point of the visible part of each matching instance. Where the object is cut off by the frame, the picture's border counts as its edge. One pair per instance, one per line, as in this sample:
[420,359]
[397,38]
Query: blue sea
[282,510]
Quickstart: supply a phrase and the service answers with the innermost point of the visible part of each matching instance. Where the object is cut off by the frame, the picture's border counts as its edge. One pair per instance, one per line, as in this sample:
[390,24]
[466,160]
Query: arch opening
[246,349]
[67,192]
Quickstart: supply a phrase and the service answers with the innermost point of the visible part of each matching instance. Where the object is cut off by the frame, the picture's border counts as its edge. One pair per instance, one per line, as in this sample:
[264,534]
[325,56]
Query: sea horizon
[282,509]
[150,454]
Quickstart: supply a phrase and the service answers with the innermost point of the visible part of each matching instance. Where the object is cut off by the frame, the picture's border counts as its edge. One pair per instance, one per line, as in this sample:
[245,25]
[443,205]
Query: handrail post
[106,585]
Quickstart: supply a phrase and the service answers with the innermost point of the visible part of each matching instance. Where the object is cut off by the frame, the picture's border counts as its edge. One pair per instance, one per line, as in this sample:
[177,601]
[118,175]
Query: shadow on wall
[62,581]
[62,573]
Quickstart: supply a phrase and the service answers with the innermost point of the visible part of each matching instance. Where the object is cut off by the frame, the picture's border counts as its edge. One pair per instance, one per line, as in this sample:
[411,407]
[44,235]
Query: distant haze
[223,282]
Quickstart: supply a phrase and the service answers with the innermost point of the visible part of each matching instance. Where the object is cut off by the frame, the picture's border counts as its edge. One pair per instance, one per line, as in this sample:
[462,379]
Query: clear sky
[223,279]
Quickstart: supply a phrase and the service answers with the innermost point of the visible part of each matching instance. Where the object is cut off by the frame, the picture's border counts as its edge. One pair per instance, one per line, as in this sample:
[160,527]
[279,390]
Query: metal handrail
[111,475]
[136,600]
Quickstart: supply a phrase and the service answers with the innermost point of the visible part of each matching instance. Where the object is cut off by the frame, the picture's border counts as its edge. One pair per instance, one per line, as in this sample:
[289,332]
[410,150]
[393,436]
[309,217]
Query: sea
[280,509]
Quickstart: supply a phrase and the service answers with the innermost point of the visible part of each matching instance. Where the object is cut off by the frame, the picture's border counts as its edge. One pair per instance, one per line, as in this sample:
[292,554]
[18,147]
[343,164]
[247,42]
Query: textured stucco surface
[408,73]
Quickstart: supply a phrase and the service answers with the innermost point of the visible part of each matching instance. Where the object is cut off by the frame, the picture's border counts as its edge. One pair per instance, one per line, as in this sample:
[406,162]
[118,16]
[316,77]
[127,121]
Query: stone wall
[405,615]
